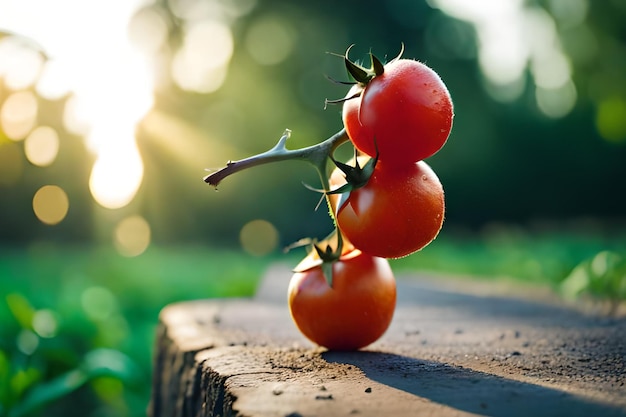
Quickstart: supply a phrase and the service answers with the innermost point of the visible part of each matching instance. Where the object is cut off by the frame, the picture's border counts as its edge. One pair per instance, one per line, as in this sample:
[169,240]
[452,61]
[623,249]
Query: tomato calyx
[361,75]
[356,176]
[325,253]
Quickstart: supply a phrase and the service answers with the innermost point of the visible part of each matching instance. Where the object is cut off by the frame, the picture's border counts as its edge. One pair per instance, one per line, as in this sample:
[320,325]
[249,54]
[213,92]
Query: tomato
[351,314]
[399,211]
[406,112]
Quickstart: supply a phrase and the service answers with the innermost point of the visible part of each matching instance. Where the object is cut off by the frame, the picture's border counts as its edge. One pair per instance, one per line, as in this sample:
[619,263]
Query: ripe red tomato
[351,314]
[399,211]
[407,111]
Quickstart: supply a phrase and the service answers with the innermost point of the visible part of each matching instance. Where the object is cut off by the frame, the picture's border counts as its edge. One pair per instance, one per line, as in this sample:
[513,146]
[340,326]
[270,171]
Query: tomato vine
[389,205]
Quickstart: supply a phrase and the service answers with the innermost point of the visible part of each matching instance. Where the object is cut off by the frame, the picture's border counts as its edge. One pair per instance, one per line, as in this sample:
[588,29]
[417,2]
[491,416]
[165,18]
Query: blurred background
[111,111]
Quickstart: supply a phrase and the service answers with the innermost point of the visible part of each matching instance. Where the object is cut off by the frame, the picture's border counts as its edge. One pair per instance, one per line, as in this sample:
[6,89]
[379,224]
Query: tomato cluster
[385,203]
[395,115]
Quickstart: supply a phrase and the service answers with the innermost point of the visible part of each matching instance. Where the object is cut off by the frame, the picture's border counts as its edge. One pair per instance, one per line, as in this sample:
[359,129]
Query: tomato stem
[317,155]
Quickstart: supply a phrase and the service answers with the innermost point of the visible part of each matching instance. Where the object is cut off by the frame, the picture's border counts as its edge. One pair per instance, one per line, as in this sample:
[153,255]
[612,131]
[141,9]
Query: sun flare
[108,81]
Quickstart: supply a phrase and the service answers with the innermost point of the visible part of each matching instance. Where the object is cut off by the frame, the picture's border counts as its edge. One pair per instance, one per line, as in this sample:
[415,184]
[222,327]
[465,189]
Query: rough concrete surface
[452,350]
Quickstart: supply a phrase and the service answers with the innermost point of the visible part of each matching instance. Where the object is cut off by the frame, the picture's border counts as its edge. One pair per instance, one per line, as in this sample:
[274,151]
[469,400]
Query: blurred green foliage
[505,161]
[602,277]
[78,323]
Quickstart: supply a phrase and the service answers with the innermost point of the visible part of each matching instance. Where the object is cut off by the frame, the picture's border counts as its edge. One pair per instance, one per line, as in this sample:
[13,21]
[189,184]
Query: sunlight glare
[148,30]
[20,64]
[109,81]
[116,175]
[54,81]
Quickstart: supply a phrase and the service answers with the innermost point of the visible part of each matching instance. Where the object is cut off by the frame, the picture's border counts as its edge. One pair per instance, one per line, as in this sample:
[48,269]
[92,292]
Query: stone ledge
[447,353]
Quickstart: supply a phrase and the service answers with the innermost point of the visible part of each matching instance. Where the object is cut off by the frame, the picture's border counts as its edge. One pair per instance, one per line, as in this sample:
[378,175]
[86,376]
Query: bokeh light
[50,204]
[27,342]
[514,37]
[148,30]
[201,63]
[569,13]
[42,146]
[18,114]
[258,237]
[556,102]
[45,323]
[270,40]
[132,236]
[611,119]
[99,303]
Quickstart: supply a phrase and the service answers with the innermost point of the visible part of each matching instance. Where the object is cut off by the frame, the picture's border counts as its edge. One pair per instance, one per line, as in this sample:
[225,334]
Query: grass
[572,262]
[67,309]
[542,257]
[77,324]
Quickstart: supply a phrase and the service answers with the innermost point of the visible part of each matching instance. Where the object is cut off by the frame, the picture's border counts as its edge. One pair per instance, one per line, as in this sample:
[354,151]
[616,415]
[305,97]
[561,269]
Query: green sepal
[346,188]
[360,74]
[364,75]
[399,54]
[377,66]
[333,80]
[342,100]
[329,257]
[356,176]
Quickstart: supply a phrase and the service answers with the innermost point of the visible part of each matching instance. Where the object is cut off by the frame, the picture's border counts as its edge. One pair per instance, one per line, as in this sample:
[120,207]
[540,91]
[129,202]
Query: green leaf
[97,363]
[21,309]
[110,362]
[49,391]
